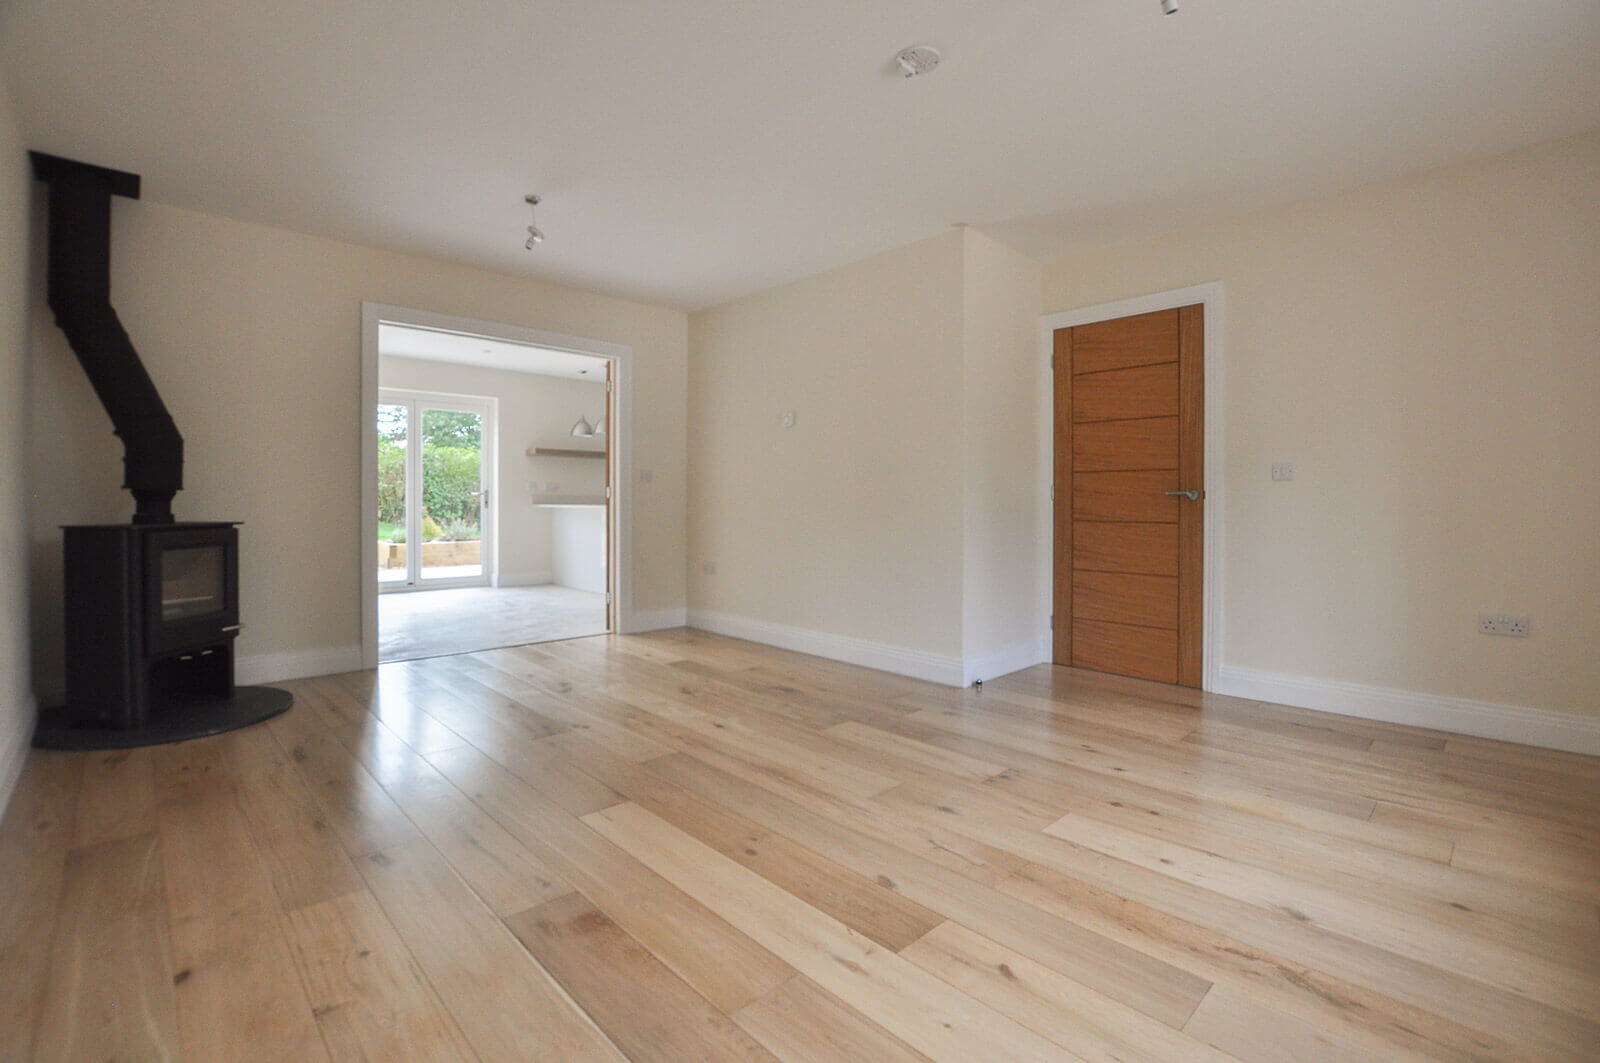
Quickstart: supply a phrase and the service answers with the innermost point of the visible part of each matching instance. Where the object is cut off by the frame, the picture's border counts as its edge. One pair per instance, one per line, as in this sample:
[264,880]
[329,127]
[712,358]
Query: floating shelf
[553,452]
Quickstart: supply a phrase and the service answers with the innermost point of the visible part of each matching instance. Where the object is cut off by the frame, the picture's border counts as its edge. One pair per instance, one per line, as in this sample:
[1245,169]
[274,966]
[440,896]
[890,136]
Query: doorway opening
[491,455]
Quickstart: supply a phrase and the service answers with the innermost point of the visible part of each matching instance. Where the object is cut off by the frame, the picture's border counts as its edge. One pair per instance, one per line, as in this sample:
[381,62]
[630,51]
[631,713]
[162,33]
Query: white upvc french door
[435,471]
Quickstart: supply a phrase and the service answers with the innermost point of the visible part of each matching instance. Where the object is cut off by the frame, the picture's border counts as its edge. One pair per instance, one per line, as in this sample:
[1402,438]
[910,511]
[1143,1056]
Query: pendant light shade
[583,428]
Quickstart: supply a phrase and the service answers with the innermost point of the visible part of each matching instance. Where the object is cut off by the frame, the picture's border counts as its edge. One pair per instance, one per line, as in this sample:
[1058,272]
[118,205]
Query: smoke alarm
[918,59]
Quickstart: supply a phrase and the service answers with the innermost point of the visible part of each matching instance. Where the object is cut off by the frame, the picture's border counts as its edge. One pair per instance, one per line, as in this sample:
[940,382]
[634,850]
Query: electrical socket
[1503,624]
[1283,470]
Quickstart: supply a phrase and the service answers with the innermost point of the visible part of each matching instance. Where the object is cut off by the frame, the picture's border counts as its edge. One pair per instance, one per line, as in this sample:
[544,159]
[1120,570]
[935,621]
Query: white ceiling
[402,341]
[690,151]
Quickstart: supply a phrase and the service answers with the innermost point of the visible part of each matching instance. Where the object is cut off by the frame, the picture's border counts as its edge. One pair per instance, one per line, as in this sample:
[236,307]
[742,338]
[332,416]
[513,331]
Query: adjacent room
[503,447]
[679,532]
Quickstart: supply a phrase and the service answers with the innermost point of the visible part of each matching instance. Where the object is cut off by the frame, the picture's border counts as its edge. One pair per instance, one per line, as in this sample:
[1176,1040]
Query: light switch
[1282,470]
[788,418]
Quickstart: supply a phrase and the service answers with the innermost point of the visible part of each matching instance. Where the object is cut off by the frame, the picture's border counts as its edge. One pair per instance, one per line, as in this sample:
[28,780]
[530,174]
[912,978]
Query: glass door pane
[452,494]
[394,422]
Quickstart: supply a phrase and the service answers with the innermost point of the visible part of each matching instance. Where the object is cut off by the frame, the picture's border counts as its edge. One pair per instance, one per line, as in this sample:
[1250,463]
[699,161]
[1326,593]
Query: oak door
[1129,492]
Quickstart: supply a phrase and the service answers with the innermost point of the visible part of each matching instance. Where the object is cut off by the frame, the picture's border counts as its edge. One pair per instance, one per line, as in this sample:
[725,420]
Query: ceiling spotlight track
[535,236]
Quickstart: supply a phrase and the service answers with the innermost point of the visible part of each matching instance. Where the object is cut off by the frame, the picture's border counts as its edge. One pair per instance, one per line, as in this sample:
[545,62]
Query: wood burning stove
[151,614]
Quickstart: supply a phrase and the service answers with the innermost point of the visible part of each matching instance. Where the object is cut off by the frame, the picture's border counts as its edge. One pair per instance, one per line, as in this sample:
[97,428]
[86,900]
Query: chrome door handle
[1193,496]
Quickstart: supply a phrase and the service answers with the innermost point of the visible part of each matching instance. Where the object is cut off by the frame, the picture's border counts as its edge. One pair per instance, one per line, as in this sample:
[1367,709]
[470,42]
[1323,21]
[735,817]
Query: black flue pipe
[79,294]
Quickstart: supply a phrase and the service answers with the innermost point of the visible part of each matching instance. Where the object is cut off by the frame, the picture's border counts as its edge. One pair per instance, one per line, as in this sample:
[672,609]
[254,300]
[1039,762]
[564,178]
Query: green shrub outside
[450,486]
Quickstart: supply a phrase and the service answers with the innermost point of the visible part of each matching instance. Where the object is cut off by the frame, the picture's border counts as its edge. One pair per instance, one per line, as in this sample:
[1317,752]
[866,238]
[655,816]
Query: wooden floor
[679,847]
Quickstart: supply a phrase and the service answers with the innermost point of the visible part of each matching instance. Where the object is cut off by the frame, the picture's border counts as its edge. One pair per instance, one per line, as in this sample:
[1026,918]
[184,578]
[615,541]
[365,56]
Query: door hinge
[1052,623]
[608,387]
[608,597]
[1052,492]
[608,492]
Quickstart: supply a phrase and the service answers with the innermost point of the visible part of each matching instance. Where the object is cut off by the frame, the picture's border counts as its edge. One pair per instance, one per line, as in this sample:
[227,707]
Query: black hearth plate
[177,721]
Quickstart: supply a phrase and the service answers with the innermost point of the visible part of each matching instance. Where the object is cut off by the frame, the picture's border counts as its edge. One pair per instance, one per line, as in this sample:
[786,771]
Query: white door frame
[486,407]
[619,536]
[1208,295]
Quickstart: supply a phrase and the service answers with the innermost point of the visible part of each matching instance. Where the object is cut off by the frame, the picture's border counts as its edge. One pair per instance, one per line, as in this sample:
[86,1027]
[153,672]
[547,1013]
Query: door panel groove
[1131,365]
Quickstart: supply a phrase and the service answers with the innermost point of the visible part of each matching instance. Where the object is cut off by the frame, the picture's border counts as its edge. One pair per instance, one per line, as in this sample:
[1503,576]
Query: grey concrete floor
[417,624]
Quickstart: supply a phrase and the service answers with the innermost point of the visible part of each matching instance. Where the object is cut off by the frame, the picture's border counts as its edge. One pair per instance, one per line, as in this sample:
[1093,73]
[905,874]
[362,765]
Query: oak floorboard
[110,992]
[1090,1025]
[304,858]
[507,1006]
[35,836]
[499,868]
[1497,963]
[1108,796]
[862,904]
[646,1009]
[680,846]
[1328,979]
[119,797]
[238,993]
[719,961]
[386,695]
[800,1022]
[921,1010]
[361,815]
[371,998]
[1158,989]
[1069,872]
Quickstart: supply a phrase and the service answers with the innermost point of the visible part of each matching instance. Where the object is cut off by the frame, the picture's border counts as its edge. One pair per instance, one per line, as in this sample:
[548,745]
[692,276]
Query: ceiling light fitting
[1169,7]
[535,236]
[918,59]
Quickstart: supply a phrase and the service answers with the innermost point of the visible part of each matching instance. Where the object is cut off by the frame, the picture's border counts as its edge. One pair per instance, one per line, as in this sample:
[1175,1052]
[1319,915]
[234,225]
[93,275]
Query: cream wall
[253,336]
[532,410]
[1427,354]
[896,523]
[1001,377]
[847,527]
[16,695]
[578,548]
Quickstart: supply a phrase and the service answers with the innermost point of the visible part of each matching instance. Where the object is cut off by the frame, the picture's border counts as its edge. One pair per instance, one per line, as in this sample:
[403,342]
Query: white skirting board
[280,667]
[523,579]
[933,667]
[1004,662]
[1507,723]
[15,752]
